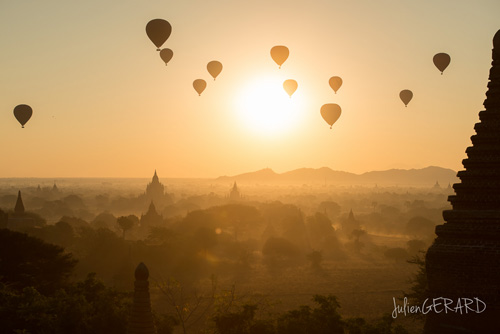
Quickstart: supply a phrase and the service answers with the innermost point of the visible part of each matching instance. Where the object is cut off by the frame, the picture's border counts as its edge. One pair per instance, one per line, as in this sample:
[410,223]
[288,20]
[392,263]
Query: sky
[105,105]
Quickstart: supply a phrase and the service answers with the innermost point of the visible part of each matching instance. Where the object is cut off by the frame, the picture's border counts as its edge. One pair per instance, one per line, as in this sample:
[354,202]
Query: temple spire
[155,190]
[152,209]
[493,94]
[19,208]
[234,194]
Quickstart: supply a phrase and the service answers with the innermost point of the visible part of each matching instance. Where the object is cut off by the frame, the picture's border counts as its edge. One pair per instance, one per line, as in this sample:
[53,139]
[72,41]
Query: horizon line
[211,177]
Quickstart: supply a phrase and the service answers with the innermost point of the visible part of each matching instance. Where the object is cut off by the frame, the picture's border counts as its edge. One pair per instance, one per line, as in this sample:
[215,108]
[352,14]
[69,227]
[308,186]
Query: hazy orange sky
[105,104]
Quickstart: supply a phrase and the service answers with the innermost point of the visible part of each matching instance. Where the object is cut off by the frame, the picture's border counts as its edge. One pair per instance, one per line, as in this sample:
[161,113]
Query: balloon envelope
[199,86]
[166,55]
[335,83]
[23,113]
[441,60]
[406,96]
[290,86]
[279,54]
[330,113]
[214,68]
[158,31]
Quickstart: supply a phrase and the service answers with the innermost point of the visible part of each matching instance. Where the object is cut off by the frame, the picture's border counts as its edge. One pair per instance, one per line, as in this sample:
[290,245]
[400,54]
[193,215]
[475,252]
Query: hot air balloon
[290,86]
[214,68]
[199,86]
[279,54]
[330,113]
[406,96]
[166,55]
[23,113]
[158,31]
[335,83]
[441,60]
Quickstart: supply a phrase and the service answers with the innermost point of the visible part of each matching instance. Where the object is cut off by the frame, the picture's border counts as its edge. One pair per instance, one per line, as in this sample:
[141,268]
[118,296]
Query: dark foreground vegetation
[36,297]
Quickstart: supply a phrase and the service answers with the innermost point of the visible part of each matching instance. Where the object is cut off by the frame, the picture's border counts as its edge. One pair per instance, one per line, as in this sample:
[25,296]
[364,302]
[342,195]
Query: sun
[265,109]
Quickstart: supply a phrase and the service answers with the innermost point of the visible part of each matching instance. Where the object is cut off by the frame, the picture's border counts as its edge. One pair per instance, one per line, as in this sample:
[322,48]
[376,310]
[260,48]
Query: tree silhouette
[26,261]
[125,224]
[329,208]
[320,320]
[419,290]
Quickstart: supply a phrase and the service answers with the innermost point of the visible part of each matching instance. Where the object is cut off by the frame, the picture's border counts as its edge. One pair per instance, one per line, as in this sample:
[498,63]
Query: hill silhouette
[393,177]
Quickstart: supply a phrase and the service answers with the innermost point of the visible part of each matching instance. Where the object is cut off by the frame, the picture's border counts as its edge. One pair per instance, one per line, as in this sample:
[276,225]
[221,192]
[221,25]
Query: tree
[26,261]
[315,258]
[329,208]
[419,290]
[383,325]
[243,322]
[397,254]
[420,227]
[279,250]
[324,319]
[189,308]
[3,219]
[104,220]
[125,224]
[81,308]
[356,235]
[205,238]
[319,227]
[415,245]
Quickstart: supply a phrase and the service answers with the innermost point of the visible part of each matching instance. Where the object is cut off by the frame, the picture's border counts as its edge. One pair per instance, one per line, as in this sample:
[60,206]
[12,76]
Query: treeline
[232,239]
[36,296]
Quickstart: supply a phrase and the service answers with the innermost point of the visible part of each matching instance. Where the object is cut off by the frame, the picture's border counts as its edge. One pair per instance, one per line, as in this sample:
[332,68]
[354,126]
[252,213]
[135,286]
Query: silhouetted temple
[350,224]
[19,219]
[155,190]
[464,261]
[152,217]
[234,194]
[141,317]
[19,208]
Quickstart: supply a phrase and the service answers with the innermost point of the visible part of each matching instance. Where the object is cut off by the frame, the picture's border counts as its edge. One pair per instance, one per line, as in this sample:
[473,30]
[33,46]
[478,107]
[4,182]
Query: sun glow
[266,109]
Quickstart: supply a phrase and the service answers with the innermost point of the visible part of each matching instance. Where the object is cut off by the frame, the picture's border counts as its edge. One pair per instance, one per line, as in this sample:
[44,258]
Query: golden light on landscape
[265,166]
[266,110]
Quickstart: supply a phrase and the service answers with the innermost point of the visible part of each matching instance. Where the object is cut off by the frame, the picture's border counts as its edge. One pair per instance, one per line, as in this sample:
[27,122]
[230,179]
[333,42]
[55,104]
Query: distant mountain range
[393,177]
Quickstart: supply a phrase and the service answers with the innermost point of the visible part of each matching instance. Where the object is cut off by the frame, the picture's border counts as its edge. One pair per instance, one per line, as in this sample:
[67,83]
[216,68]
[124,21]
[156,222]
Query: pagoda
[19,208]
[350,224]
[155,190]
[151,217]
[141,318]
[234,194]
[463,264]
[19,219]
